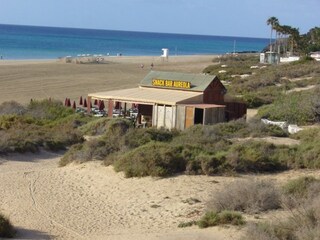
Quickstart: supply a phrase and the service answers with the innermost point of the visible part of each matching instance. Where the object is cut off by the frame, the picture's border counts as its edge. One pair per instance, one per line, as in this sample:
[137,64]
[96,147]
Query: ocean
[31,42]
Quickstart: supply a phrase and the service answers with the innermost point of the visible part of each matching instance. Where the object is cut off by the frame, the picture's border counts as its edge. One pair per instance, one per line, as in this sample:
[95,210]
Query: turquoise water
[28,42]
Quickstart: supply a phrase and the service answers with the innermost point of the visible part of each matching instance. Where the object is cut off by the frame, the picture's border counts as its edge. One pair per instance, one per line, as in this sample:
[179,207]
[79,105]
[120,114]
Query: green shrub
[297,108]
[46,124]
[187,224]
[308,155]
[212,164]
[246,196]
[48,110]
[220,218]
[6,228]
[95,127]
[299,187]
[254,156]
[308,151]
[96,149]
[138,137]
[152,159]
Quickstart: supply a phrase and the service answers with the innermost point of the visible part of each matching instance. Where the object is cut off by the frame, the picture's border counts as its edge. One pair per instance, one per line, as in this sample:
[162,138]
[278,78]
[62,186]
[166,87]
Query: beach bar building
[174,100]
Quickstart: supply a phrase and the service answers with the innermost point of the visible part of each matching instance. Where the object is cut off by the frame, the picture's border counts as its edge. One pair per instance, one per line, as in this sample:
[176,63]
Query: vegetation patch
[297,108]
[246,196]
[44,124]
[221,218]
[6,228]
[304,219]
[152,159]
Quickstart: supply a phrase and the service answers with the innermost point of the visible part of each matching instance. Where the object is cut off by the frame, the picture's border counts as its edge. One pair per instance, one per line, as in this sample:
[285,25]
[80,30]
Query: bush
[220,218]
[299,187]
[209,164]
[12,107]
[152,159]
[98,126]
[303,224]
[259,129]
[48,110]
[140,136]
[297,108]
[254,156]
[6,228]
[246,196]
[96,149]
[45,124]
[304,219]
[267,231]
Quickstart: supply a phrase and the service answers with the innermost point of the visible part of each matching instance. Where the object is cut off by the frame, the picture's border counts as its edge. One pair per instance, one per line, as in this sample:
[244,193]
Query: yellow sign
[170,83]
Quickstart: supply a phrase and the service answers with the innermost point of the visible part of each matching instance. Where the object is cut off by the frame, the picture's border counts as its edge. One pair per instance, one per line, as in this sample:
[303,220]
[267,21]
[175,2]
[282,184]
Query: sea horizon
[22,42]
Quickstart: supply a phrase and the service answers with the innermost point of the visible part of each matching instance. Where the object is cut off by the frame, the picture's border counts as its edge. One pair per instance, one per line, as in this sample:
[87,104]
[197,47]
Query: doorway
[198,116]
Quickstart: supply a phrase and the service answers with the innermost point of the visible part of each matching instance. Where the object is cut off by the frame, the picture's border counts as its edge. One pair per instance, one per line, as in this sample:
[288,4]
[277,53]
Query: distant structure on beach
[84,58]
[165,54]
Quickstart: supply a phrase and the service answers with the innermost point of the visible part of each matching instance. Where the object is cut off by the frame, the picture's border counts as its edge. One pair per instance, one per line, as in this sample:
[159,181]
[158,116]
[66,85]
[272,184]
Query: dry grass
[247,196]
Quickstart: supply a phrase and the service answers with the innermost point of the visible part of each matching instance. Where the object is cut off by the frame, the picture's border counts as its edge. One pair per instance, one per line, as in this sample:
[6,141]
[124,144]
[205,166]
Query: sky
[244,18]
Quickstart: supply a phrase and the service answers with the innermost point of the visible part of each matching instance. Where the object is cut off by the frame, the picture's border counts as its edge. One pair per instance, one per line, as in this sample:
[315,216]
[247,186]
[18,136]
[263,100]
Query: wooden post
[110,108]
[89,105]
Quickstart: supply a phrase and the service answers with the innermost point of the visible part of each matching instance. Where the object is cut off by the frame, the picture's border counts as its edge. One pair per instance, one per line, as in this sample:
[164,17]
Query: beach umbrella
[90,105]
[80,102]
[74,106]
[68,103]
[95,102]
[101,105]
[85,103]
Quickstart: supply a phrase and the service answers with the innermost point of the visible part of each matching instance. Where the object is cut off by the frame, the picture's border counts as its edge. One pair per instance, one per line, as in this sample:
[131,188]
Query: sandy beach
[23,80]
[90,201]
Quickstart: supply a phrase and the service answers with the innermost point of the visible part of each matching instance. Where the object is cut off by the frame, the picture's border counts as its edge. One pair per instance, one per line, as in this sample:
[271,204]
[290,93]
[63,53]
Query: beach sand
[38,79]
[90,201]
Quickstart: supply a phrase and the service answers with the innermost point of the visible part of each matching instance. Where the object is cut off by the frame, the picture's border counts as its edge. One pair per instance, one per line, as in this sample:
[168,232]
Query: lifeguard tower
[165,54]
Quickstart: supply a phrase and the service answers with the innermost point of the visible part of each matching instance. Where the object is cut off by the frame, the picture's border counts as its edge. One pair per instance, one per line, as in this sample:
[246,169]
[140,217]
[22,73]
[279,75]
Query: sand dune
[89,201]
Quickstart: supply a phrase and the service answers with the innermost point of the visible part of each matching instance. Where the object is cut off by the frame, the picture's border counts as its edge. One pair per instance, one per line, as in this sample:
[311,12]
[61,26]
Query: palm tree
[273,21]
[286,33]
[294,37]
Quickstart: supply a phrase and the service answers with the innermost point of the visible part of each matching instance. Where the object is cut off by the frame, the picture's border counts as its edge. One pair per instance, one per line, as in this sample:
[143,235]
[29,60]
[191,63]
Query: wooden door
[189,117]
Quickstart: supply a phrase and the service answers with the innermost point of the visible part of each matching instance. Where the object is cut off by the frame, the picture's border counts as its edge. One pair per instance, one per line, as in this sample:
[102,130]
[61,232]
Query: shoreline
[114,56]
[123,59]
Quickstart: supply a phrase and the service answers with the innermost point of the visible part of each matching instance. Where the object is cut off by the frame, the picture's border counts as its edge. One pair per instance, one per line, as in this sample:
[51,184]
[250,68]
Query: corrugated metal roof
[199,82]
[147,95]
